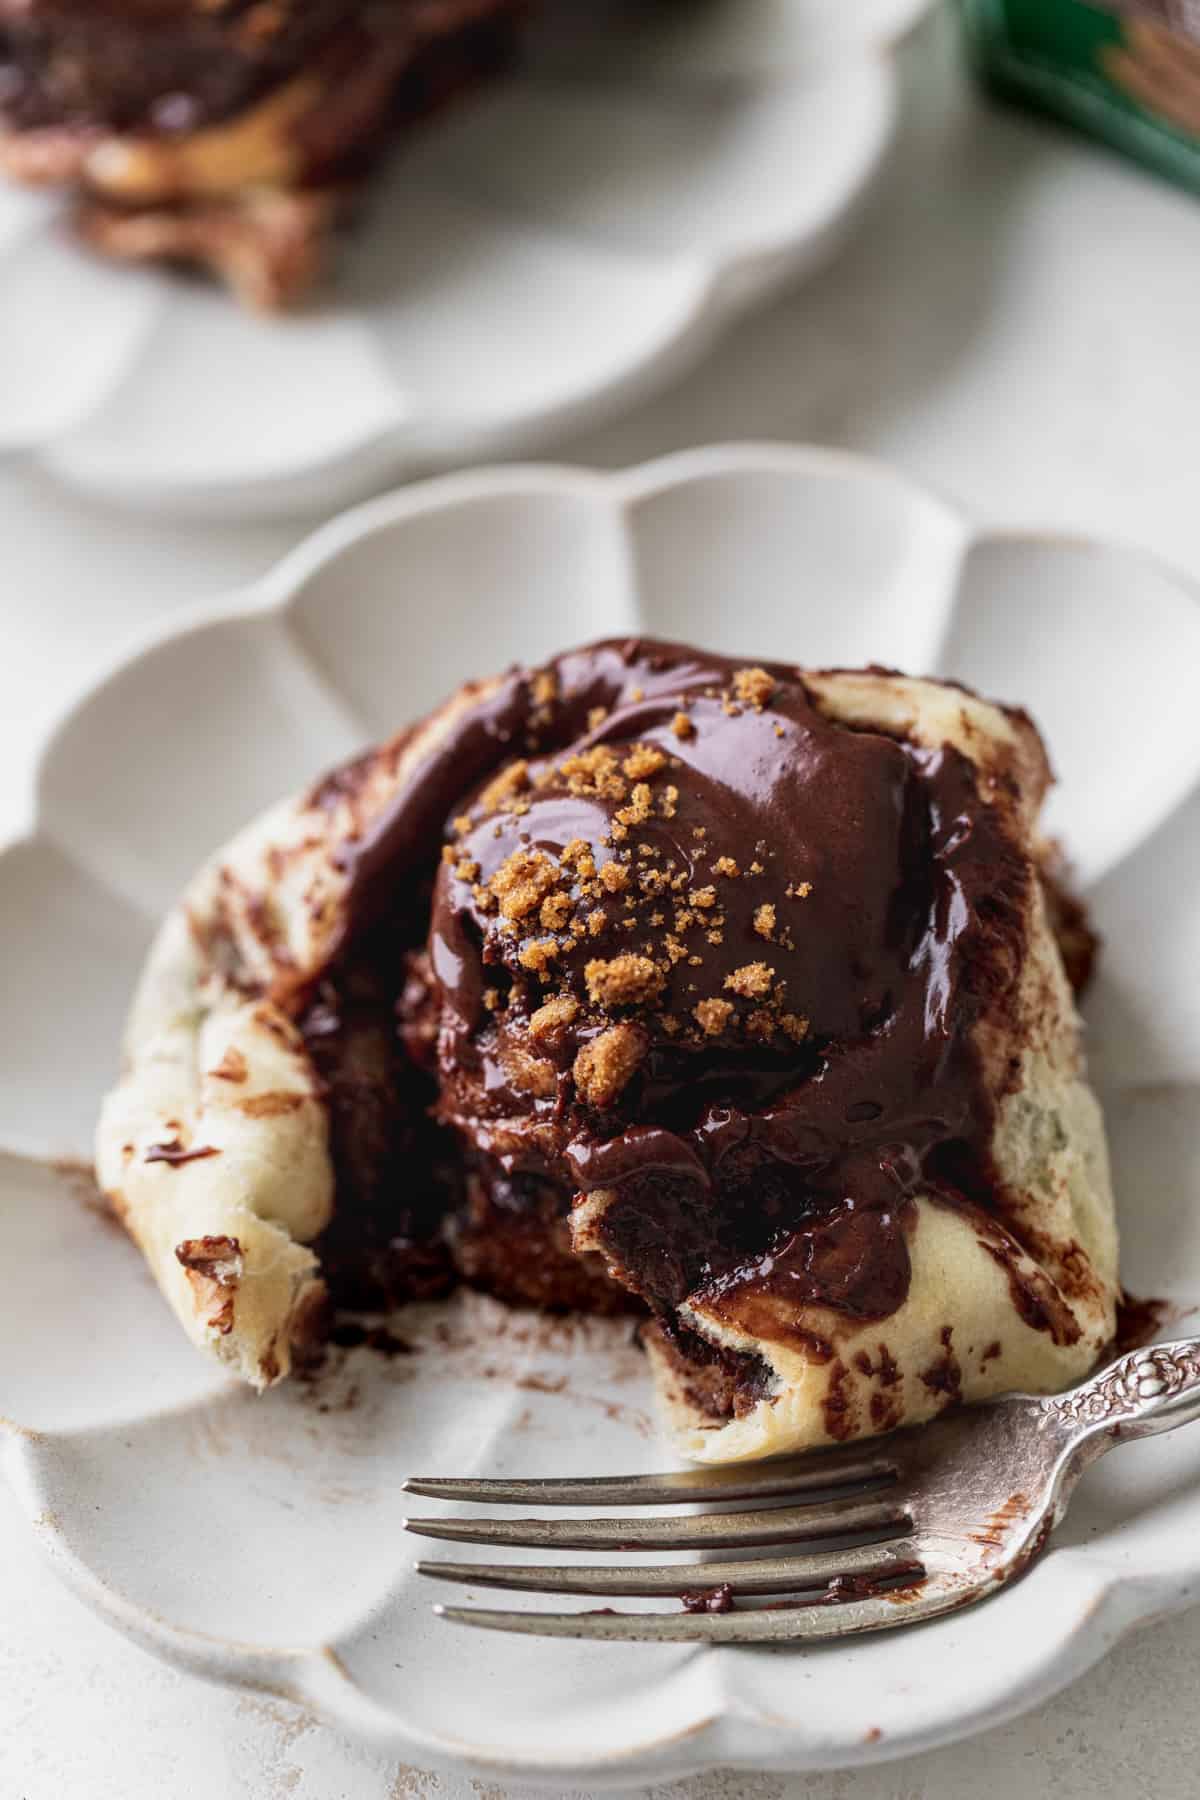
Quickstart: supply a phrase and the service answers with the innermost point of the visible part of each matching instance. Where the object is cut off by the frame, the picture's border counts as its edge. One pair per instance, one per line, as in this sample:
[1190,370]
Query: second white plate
[544,256]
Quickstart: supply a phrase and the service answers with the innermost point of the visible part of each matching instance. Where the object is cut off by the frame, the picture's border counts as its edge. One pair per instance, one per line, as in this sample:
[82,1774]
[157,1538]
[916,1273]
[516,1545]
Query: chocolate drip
[394,1177]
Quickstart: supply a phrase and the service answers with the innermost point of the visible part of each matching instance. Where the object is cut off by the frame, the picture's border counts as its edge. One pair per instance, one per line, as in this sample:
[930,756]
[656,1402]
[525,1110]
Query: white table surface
[1016,323]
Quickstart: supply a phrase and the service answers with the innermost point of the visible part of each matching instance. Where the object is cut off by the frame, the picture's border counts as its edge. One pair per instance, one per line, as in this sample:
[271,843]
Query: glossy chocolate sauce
[760,1048]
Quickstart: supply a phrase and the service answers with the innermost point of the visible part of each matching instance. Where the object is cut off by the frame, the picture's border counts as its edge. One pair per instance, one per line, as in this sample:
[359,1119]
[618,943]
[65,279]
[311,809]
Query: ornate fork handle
[1143,1392]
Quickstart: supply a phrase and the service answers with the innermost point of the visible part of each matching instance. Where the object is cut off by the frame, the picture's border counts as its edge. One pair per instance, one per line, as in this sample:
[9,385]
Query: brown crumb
[674,948]
[555,911]
[638,810]
[614,876]
[644,760]
[754,686]
[465,869]
[594,771]
[597,920]
[603,1067]
[545,687]
[752,981]
[712,1016]
[578,855]
[462,824]
[522,882]
[725,865]
[764,919]
[505,786]
[715,937]
[795,1024]
[483,897]
[596,717]
[559,1011]
[491,999]
[538,957]
[682,726]
[704,897]
[625,980]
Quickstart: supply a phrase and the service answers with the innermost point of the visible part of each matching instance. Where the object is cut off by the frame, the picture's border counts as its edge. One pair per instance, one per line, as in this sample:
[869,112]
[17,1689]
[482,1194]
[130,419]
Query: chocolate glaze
[760,1174]
[759,1160]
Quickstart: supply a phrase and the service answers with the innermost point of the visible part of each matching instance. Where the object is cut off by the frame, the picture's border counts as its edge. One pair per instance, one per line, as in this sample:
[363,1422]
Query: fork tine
[760,1575]
[817,1472]
[809,1621]
[778,1525]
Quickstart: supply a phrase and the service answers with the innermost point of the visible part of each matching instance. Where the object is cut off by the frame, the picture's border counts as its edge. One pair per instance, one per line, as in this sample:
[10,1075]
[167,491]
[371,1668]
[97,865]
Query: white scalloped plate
[258,1541]
[547,254]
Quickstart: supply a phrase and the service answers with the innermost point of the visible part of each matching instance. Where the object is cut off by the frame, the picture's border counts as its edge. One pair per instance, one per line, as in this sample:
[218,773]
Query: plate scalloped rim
[1093,1596]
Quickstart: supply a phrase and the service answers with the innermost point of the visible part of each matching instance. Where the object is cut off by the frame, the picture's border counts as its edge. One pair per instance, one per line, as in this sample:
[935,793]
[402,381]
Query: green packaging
[1127,71]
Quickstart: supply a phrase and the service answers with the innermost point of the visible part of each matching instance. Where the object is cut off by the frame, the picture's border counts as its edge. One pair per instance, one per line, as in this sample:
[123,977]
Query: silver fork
[881,1533]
